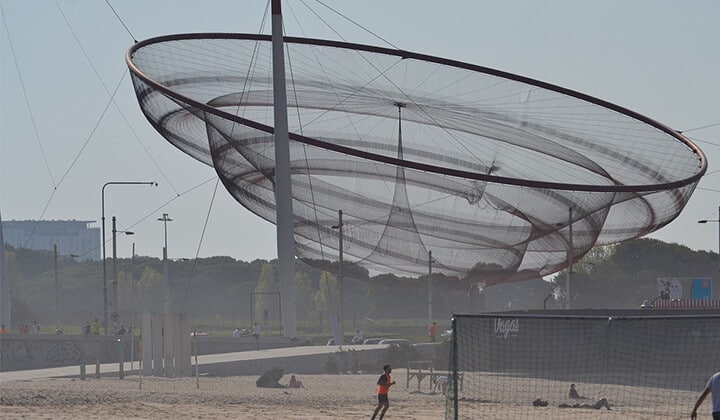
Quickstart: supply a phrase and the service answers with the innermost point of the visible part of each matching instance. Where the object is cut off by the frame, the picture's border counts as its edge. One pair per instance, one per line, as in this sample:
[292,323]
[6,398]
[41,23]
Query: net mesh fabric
[645,366]
[419,153]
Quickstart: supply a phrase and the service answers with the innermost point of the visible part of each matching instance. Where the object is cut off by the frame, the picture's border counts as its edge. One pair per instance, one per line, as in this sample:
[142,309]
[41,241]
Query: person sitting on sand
[573,394]
[602,402]
[295,383]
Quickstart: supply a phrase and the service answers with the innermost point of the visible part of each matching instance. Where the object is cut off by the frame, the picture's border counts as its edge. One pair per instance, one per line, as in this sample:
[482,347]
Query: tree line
[617,276]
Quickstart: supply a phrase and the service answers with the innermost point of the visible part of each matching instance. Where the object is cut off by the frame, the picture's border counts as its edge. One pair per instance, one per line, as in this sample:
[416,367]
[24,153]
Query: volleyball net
[508,365]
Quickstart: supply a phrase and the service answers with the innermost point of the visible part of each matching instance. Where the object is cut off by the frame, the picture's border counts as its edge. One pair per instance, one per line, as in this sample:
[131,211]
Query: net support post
[454,369]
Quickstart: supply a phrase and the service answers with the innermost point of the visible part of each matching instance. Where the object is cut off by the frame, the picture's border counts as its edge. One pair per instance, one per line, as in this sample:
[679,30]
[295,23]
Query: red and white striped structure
[687,304]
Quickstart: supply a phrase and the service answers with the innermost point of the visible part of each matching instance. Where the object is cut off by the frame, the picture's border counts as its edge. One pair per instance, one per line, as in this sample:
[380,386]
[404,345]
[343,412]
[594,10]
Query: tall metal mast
[283,190]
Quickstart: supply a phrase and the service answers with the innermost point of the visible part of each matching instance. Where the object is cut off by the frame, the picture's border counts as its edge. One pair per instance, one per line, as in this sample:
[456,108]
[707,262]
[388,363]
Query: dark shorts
[716,415]
[382,398]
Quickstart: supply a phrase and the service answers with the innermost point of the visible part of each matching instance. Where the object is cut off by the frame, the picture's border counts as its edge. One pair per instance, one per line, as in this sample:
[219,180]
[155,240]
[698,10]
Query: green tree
[19,309]
[143,294]
[326,297]
[305,295]
[264,301]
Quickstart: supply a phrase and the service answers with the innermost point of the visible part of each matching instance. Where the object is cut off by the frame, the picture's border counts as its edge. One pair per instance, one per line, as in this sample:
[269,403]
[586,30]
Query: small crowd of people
[24,329]
[254,331]
[87,329]
[93,329]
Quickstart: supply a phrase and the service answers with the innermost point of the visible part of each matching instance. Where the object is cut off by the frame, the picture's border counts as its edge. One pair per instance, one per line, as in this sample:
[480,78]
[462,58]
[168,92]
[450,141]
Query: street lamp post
[429,287]
[341,318]
[57,305]
[133,298]
[718,222]
[166,279]
[569,257]
[57,312]
[105,297]
[114,304]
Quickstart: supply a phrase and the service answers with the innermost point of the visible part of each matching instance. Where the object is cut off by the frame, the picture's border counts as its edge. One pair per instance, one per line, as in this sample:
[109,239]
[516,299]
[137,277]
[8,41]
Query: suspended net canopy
[501,177]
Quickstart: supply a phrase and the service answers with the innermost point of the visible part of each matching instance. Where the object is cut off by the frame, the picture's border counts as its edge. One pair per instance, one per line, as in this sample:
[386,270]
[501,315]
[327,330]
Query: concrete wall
[215,345]
[368,359]
[38,351]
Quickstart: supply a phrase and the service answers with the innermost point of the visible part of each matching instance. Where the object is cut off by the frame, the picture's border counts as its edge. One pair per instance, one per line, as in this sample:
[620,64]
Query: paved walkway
[258,355]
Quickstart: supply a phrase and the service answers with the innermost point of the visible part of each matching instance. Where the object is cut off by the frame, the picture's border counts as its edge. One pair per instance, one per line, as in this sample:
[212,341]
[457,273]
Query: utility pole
[113,304]
[569,257]
[166,276]
[718,222]
[104,258]
[341,290]
[429,287]
[57,311]
[57,288]
[5,300]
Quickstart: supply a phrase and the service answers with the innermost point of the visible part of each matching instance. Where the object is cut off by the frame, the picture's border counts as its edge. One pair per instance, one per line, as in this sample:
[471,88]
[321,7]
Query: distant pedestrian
[95,330]
[2,329]
[35,328]
[432,332]
[712,387]
[86,328]
[256,334]
[236,333]
[358,338]
[441,382]
[384,384]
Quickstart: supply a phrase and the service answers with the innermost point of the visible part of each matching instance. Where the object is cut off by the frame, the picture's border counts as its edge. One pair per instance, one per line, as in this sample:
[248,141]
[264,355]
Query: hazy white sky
[62,59]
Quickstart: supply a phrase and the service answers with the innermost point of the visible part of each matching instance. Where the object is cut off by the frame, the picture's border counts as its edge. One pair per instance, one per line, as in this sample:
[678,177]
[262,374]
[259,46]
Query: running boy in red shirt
[384,384]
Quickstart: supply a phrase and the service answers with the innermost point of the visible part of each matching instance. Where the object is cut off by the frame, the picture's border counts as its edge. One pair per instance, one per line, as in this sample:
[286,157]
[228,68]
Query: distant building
[72,237]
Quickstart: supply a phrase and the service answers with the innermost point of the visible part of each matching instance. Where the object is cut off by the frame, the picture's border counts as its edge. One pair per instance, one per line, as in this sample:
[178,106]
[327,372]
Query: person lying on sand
[602,402]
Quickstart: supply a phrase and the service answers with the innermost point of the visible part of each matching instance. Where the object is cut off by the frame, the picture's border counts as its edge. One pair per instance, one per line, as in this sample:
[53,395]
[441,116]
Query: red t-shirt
[384,384]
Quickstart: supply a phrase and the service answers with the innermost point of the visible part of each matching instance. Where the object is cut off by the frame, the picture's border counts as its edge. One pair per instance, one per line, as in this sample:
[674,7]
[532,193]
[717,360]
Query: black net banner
[527,366]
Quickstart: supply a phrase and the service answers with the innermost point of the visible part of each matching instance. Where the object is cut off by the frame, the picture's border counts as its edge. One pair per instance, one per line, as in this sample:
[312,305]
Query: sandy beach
[325,397]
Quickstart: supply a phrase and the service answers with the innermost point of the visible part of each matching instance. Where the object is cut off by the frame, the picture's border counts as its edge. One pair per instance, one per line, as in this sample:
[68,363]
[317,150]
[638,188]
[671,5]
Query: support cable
[27,100]
[121,21]
[197,252]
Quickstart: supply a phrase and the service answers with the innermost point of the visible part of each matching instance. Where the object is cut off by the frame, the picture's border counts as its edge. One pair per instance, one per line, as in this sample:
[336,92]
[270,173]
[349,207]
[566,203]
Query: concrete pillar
[147,348]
